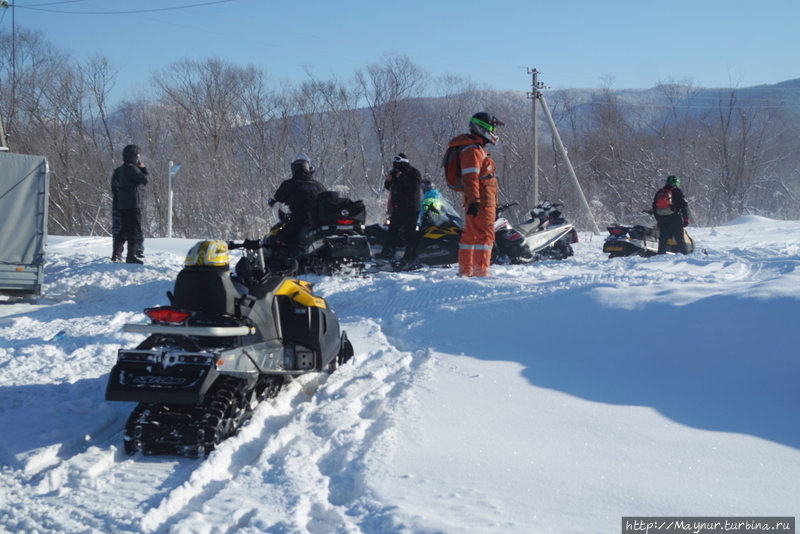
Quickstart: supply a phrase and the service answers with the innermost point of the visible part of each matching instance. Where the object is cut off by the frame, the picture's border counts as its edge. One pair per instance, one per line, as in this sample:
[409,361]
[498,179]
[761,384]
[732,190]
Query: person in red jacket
[480,194]
[671,211]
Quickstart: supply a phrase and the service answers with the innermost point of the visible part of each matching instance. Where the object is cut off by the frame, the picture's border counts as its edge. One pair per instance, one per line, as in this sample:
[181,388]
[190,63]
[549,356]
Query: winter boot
[134,259]
[386,254]
[117,247]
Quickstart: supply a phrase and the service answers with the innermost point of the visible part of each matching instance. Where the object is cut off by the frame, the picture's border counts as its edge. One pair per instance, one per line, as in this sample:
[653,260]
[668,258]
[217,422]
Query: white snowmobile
[547,235]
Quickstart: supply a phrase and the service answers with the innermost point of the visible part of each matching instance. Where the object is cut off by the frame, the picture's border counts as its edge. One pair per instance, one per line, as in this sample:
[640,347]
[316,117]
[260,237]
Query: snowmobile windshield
[445,215]
[453,215]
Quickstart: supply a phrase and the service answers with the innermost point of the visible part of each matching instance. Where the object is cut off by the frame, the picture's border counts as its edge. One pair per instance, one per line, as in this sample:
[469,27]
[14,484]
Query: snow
[558,396]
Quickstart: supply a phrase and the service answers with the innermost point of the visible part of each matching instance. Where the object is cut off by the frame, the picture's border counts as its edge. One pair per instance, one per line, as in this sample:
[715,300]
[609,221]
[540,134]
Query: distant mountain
[784,94]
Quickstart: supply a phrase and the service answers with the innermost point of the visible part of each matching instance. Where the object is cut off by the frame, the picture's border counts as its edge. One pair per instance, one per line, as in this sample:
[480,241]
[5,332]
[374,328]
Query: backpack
[451,162]
[662,205]
[452,167]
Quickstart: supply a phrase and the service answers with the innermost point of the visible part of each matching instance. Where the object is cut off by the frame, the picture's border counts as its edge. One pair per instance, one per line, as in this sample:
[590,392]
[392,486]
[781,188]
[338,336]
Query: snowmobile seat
[206,289]
[643,231]
[532,225]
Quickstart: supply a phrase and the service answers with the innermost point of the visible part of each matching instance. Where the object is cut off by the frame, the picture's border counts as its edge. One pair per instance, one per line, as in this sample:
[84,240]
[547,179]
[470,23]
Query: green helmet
[673,180]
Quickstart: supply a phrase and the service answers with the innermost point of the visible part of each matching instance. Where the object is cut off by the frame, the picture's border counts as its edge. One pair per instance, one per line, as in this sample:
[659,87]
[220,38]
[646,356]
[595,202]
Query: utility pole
[173,170]
[4,5]
[537,94]
[534,96]
[3,144]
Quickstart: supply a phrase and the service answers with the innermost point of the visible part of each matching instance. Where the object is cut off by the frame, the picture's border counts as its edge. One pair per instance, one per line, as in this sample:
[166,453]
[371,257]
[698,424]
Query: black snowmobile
[438,237]
[224,343]
[334,242]
[639,240]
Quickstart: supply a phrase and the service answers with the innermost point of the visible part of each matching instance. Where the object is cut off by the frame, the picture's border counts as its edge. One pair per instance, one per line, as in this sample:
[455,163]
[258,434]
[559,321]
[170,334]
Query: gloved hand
[271,202]
[473,208]
[685,223]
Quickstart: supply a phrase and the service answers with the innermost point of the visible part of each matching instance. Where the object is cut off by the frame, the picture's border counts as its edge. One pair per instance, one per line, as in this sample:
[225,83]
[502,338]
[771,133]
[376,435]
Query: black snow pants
[407,220]
[671,226]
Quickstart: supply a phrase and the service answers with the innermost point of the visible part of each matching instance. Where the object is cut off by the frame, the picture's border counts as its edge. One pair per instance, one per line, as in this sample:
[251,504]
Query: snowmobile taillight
[345,221]
[617,231]
[167,315]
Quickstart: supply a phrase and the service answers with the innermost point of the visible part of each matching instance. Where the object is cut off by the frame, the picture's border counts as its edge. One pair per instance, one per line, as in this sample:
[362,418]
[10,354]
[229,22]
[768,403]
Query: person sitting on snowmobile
[672,215]
[432,211]
[299,193]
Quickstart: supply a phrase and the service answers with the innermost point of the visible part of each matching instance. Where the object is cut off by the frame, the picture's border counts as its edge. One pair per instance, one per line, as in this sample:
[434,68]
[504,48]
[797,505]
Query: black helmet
[130,154]
[485,125]
[301,163]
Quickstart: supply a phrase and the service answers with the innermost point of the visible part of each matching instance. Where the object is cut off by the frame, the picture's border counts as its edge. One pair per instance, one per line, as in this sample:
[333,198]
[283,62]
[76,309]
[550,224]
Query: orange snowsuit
[480,185]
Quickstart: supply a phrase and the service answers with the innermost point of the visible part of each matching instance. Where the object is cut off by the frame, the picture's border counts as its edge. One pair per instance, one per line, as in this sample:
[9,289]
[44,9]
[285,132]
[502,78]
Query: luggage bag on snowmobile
[336,240]
[331,208]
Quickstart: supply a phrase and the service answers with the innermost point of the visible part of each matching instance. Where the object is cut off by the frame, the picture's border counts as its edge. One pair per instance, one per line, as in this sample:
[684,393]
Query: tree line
[234,129]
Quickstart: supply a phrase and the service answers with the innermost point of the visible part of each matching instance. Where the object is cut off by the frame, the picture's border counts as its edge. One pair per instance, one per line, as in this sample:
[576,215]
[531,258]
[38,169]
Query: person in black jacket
[672,215]
[127,186]
[299,193]
[403,183]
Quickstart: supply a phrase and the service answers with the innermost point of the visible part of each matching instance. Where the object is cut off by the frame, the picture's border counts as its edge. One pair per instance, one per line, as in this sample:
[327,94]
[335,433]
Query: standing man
[480,194]
[129,180]
[672,215]
[403,184]
[299,193]
[116,223]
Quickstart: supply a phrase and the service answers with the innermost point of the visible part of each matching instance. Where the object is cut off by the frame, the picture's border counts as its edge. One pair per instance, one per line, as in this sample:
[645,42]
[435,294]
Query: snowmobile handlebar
[249,244]
[504,207]
[546,205]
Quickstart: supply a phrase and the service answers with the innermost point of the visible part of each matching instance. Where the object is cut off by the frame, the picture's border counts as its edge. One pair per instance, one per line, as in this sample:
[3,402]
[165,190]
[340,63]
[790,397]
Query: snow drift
[557,396]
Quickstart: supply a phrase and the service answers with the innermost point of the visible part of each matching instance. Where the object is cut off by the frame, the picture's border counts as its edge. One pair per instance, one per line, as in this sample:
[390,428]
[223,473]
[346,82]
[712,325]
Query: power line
[118,12]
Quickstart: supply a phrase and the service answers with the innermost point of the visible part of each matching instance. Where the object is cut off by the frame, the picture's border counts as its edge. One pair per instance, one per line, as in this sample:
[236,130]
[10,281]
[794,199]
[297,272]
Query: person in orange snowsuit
[480,194]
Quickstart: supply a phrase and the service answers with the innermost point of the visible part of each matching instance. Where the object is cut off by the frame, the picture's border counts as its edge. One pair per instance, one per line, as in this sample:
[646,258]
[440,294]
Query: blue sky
[573,43]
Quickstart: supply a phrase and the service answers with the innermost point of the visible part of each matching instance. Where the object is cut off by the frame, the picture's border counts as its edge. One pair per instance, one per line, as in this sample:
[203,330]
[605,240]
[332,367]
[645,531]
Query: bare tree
[389,89]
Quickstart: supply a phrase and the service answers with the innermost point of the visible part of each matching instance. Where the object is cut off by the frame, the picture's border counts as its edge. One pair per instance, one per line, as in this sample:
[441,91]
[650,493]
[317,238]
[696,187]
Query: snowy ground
[559,396]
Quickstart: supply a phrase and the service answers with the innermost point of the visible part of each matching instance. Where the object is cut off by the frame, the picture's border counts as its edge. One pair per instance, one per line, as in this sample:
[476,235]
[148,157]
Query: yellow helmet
[208,254]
